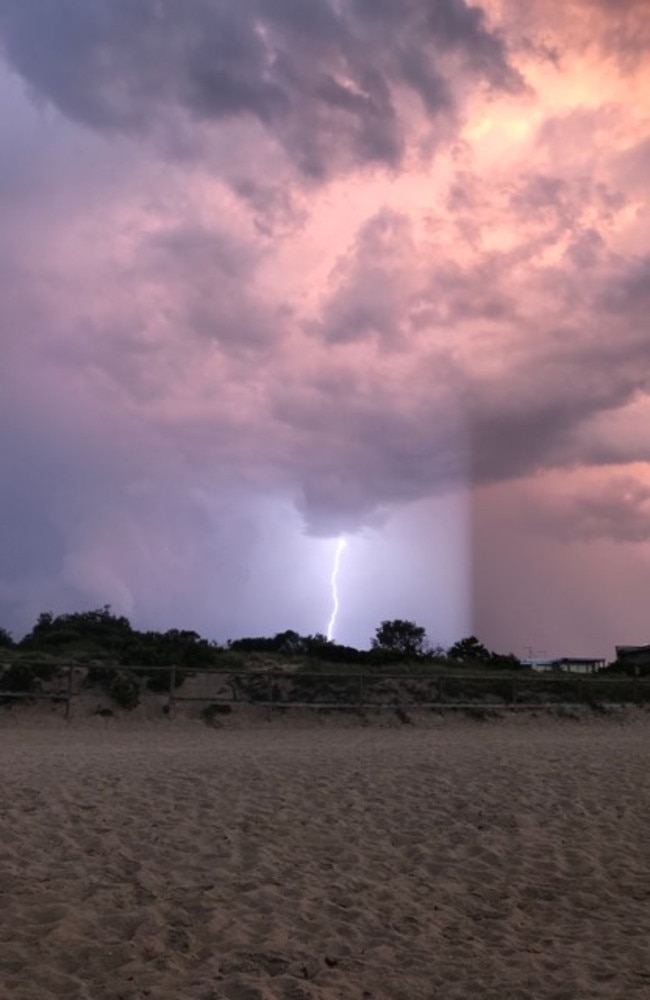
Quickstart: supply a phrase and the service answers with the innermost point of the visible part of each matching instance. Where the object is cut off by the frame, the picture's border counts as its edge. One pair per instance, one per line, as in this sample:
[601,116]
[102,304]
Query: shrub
[211,712]
[100,673]
[124,690]
[120,685]
[158,680]
[91,632]
[18,677]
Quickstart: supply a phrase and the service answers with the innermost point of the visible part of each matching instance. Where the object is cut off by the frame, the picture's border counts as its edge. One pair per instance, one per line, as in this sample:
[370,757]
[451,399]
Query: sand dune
[463,861]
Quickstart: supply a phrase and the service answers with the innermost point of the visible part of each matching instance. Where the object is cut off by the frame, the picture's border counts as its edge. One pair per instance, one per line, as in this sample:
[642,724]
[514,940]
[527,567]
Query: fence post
[269,694]
[441,689]
[68,693]
[172,689]
[513,692]
[361,694]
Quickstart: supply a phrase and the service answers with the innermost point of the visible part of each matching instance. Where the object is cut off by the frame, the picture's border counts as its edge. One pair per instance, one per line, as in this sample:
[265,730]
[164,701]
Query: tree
[289,643]
[85,631]
[400,636]
[469,650]
[6,640]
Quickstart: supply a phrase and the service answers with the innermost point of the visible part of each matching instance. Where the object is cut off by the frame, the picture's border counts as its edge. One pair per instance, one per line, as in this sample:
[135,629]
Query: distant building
[633,656]
[567,664]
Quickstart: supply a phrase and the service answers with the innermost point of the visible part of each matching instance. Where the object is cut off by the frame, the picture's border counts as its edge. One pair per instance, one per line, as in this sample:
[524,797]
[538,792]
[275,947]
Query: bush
[124,690]
[384,657]
[211,713]
[100,673]
[91,632]
[619,691]
[120,685]
[159,680]
[18,677]
[25,676]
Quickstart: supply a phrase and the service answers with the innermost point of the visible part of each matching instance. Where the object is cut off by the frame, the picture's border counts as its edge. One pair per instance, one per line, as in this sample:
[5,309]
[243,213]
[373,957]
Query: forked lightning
[334,583]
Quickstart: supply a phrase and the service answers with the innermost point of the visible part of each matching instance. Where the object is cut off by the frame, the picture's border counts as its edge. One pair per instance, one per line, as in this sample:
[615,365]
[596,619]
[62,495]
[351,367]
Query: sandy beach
[461,860]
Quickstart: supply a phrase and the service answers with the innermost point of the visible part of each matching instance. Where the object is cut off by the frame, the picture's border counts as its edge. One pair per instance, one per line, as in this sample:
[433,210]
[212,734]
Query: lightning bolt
[334,584]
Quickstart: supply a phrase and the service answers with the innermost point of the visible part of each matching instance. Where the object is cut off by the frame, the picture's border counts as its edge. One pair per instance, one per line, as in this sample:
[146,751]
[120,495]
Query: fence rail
[275,689]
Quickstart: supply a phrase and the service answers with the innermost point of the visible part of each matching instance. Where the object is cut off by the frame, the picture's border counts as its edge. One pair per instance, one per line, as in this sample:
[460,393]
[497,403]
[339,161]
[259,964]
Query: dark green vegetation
[106,644]
[402,637]
[399,668]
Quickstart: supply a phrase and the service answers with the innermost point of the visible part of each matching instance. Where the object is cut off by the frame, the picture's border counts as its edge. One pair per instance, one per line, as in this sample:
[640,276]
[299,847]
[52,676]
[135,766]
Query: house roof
[555,661]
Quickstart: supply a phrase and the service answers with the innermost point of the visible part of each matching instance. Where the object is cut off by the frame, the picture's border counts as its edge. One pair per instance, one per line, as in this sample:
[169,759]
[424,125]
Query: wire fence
[273,689]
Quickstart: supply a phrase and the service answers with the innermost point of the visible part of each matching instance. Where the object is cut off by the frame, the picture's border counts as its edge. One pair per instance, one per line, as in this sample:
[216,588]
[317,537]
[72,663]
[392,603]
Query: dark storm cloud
[598,363]
[538,416]
[320,77]
[361,448]
[586,354]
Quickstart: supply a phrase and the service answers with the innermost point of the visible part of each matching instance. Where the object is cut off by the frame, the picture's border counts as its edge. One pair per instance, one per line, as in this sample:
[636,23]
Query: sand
[459,861]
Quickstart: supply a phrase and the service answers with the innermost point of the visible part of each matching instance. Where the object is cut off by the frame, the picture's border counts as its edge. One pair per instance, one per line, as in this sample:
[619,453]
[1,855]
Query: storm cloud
[273,272]
[325,80]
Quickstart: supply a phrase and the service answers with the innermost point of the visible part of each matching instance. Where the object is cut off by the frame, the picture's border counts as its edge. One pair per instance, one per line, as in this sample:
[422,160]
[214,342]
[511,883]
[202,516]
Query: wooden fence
[278,690]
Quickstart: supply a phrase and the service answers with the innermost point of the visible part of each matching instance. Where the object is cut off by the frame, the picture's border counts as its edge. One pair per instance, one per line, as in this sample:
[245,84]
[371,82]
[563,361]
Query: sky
[278,272]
